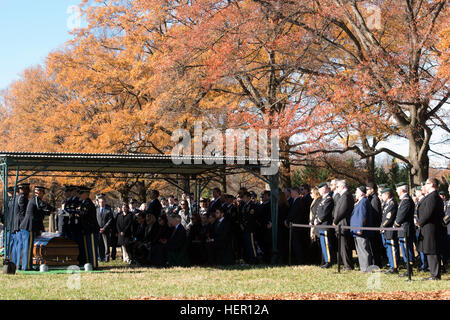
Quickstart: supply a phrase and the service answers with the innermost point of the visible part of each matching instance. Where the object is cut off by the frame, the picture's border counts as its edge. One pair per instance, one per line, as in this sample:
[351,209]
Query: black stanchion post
[408,265]
[290,244]
[339,248]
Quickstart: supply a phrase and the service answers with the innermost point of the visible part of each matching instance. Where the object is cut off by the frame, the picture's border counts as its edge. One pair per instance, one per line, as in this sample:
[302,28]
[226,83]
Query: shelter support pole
[274,189]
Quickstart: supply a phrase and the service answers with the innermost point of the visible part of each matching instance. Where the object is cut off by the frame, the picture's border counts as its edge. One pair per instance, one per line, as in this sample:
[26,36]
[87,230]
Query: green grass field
[122,282]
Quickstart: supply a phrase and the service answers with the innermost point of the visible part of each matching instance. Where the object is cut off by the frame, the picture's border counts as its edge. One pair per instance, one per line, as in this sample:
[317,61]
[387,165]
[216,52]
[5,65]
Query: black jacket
[154,207]
[177,239]
[377,211]
[405,217]
[325,211]
[34,217]
[124,224]
[88,218]
[20,208]
[298,212]
[429,214]
[343,210]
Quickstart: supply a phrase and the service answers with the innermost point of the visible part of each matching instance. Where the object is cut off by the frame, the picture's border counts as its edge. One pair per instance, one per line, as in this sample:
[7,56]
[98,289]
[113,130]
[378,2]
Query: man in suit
[105,219]
[20,208]
[341,217]
[375,237]
[429,215]
[390,239]
[324,217]
[405,220]
[177,243]
[33,225]
[216,201]
[299,214]
[222,238]
[154,206]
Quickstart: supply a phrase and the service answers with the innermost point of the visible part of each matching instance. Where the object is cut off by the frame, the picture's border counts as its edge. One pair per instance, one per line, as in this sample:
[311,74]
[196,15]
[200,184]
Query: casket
[53,250]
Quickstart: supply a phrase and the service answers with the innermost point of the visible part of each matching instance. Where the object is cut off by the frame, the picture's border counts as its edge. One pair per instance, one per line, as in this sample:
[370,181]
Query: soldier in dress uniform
[63,214]
[405,220]
[375,238]
[8,220]
[249,227]
[325,217]
[390,239]
[20,208]
[89,228]
[33,225]
[72,207]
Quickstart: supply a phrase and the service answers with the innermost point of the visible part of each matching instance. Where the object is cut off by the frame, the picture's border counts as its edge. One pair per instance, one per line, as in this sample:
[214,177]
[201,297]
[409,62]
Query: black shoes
[432,278]
[405,274]
[326,265]
[391,271]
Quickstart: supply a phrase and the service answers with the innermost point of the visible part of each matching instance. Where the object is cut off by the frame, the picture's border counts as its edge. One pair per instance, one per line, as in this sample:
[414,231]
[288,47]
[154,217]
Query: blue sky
[29,30]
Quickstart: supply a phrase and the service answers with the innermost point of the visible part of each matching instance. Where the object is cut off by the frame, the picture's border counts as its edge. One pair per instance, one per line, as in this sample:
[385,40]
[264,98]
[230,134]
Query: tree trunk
[285,166]
[141,190]
[419,161]
[370,162]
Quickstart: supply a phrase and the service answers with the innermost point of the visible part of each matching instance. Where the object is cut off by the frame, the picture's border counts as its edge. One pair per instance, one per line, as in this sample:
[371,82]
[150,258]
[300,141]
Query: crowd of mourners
[314,226]
[237,229]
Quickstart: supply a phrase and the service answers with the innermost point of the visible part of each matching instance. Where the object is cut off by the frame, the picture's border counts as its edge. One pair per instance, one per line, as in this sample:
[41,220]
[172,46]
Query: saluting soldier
[429,216]
[324,217]
[249,227]
[33,225]
[89,228]
[405,220]
[390,240]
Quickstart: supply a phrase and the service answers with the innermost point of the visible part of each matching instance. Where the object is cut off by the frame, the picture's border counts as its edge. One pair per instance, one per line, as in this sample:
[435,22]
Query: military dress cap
[382,186]
[84,189]
[40,188]
[10,189]
[23,185]
[99,196]
[401,184]
[442,193]
[133,201]
[253,194]
[321,185]
[386,190]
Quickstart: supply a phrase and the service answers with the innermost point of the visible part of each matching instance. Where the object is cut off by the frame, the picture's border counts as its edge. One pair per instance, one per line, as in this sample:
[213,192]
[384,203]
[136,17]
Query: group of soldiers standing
[26,222]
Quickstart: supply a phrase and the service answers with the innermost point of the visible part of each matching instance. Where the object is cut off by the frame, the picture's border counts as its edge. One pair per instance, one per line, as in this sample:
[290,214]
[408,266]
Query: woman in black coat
[124,227]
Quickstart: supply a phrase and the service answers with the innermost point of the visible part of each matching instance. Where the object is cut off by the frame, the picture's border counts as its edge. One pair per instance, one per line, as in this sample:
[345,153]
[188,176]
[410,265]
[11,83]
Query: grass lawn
[122,282]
